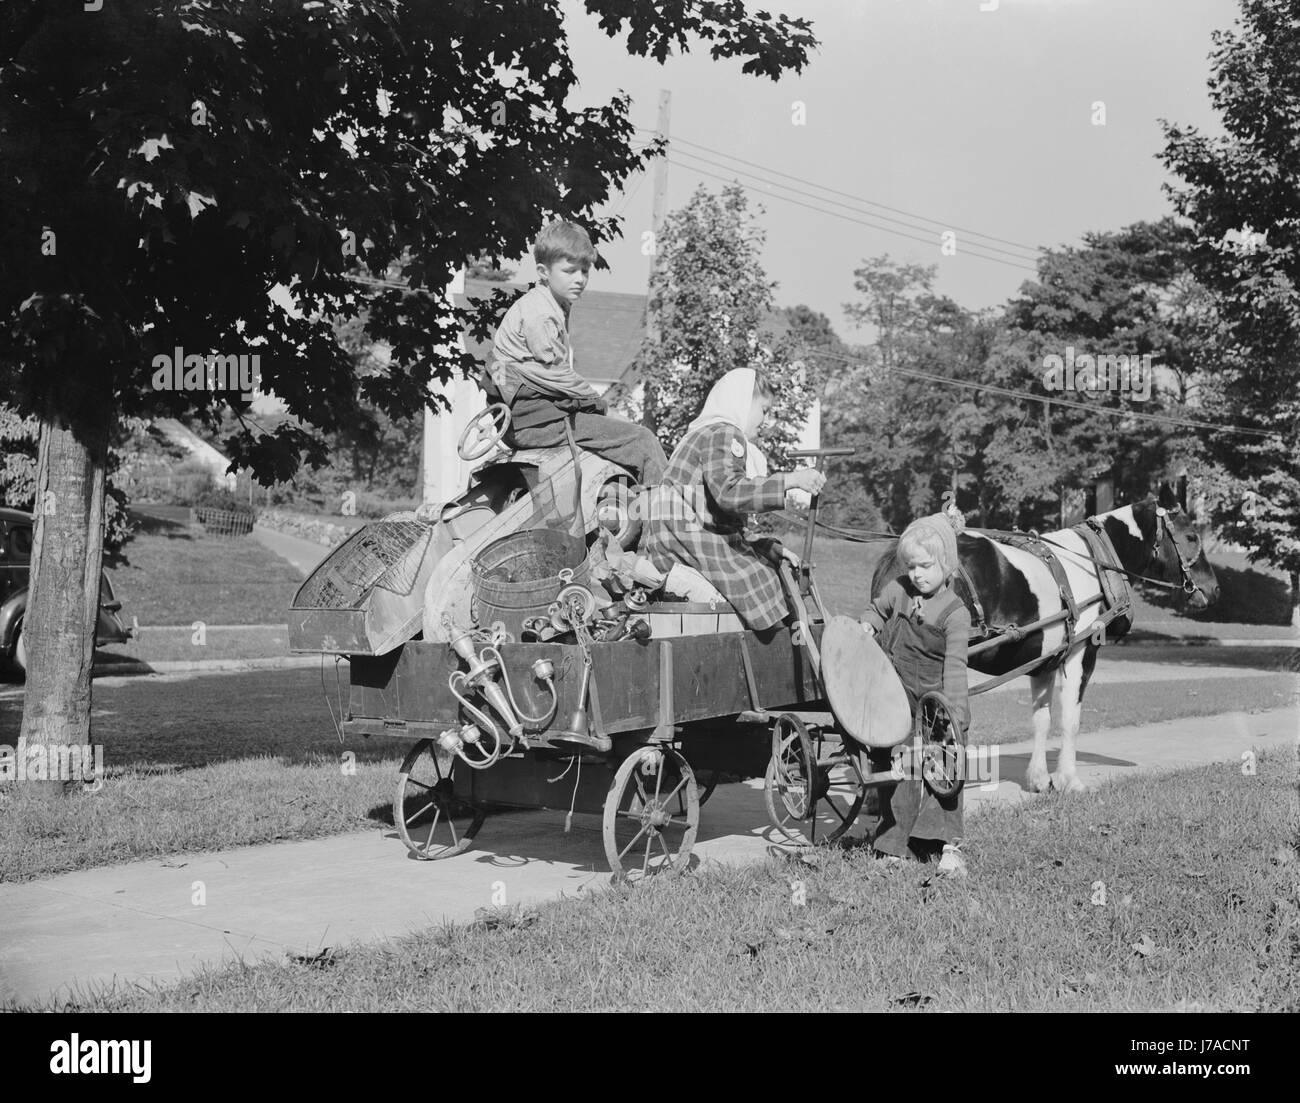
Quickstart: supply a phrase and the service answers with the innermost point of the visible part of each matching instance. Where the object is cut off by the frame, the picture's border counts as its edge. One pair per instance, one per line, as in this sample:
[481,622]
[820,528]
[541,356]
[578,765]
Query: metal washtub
[518,576]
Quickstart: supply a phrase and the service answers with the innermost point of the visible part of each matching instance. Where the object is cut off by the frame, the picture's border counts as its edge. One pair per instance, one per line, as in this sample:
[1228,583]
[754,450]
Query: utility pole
[656,227]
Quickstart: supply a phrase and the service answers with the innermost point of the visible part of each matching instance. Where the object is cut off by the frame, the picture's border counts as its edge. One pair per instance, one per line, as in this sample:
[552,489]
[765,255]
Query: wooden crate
[687,618]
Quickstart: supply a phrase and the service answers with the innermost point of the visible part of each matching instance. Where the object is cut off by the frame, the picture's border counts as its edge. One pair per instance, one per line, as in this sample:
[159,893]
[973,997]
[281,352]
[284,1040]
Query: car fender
[11,612]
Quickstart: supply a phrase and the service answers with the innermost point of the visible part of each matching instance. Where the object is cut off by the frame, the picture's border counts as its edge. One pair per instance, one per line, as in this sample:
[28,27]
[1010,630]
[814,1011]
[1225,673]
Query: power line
[1022,397]
[968,251]
[846,206]
[857,198]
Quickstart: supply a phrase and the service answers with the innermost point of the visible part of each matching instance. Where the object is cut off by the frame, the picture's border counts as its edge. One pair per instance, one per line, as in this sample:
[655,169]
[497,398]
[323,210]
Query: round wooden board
[862,686]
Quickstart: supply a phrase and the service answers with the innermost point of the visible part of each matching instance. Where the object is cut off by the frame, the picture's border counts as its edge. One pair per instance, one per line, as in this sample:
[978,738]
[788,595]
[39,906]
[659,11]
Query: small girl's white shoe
[951,861]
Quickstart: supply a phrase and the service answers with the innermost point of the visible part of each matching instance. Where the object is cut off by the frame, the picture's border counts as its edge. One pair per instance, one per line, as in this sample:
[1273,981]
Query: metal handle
[804,453]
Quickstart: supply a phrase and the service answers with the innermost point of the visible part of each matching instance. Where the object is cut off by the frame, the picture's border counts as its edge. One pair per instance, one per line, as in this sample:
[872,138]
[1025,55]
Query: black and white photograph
[676,506]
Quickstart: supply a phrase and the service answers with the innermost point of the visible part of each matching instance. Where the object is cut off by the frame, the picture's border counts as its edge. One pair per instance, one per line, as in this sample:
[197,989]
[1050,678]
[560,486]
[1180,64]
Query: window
[20,542]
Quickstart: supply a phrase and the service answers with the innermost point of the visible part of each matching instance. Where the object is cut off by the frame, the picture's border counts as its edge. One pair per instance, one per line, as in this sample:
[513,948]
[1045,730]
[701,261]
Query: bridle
[1163,530]
[1188,585]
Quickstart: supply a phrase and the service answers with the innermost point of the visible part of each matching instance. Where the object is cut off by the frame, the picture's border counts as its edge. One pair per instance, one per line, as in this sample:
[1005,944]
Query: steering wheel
[484,431]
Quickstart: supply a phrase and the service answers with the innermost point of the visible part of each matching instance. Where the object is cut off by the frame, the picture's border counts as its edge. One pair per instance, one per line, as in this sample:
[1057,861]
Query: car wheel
[20,649]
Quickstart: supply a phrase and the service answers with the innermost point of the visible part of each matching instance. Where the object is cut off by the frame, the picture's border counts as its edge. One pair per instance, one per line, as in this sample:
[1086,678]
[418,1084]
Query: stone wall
[316,529]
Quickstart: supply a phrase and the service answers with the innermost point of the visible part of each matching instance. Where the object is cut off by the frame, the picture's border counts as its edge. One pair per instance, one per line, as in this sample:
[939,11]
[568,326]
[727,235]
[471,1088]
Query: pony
[1153,539]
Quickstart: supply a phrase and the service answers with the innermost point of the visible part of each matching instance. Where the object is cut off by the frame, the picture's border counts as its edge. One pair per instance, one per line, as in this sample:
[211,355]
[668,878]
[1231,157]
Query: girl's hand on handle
[805,478]
[869,629]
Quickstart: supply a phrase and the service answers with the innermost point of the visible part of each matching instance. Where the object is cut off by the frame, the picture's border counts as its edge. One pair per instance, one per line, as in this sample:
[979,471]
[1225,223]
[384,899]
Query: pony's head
[1177,555]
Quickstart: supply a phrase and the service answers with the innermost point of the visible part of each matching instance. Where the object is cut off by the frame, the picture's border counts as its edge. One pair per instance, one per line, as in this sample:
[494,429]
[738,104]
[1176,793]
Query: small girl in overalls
[923,626]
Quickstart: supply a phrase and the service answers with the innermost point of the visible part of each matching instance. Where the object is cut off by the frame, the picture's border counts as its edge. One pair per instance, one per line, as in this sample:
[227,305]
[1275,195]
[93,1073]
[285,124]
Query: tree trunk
[63,596]
[1295,599]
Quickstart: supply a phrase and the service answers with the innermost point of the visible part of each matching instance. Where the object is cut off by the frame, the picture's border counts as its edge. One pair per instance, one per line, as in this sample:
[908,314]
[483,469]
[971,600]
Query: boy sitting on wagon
[923,626]
[532,365]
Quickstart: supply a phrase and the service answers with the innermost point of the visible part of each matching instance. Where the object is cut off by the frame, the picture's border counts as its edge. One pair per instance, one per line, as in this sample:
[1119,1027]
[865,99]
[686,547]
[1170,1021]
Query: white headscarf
[730,402]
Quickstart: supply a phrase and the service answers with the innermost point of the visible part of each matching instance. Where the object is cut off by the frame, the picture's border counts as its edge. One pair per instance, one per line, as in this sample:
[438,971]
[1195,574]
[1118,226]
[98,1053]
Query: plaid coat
[697,517]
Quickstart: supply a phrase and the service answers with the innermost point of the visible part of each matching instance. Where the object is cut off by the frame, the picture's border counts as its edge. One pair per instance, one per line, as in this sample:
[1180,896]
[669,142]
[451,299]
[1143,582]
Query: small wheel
[618,512]
[943,745]
[578,602]
[648,827]
[426,808]
[705,782]
[484,431]
[809,801]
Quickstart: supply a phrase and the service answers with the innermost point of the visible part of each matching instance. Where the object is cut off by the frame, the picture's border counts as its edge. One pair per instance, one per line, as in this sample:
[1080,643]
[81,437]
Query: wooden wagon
[637,729]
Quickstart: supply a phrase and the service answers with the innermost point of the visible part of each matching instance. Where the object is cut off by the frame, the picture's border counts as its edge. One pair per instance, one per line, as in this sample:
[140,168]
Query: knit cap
[942,524]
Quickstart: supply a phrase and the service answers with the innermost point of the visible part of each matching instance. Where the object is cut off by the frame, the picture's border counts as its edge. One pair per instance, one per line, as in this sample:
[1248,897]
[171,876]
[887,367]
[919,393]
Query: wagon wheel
[647,828]
[805,804]
[943,745]
[484,431]
[705,782]
[426,809]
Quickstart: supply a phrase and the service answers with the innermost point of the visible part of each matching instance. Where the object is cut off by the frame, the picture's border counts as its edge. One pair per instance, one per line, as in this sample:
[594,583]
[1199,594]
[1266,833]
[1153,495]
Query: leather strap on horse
[979,628]
[1116,593]
[1031,543]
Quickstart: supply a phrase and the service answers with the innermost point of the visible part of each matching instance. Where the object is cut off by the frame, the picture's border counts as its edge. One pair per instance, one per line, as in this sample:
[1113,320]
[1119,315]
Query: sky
[974,120]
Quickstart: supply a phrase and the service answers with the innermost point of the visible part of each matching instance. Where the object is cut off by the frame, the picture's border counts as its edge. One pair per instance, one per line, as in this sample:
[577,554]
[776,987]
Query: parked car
[16,537]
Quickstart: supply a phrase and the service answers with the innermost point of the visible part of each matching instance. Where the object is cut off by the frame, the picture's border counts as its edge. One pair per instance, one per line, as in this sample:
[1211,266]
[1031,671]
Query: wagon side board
[407,689]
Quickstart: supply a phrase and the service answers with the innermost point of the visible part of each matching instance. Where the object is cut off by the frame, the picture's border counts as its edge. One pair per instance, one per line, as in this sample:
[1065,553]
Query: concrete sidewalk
[304,555]
[141,923]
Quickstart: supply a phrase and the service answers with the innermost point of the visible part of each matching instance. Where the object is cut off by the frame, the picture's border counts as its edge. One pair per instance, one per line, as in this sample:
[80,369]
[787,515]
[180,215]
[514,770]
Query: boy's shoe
[888,859]
[951,862]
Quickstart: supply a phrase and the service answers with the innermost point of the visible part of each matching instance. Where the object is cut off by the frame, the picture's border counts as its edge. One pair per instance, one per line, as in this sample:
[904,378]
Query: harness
[1116,593]
[1115,596]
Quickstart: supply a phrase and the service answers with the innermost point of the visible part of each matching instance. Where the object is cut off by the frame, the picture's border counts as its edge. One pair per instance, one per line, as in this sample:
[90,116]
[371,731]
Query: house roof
[605,328]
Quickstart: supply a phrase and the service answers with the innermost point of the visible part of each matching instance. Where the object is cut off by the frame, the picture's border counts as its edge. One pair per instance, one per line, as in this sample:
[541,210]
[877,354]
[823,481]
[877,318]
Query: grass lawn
[172,572]
[201,769]
[1177,892]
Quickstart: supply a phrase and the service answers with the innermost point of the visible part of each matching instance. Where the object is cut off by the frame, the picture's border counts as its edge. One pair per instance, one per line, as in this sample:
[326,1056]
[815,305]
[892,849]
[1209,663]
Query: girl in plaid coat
[715,479]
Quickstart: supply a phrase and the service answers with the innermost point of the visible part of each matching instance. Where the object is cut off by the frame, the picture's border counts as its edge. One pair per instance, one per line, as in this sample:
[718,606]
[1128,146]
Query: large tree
[714,311]
[1239,192]
[1126,293]
[913,436]
[164,165]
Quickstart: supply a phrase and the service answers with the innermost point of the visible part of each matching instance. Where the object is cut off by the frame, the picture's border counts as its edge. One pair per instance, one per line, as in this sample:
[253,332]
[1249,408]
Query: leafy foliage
[1127,293]
[912,437]
[20,437]
[713,302]
[198,155]
[1239,193]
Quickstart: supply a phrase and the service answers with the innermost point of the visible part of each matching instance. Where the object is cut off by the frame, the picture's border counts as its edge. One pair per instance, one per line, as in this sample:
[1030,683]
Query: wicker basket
[224,522]
[518,576]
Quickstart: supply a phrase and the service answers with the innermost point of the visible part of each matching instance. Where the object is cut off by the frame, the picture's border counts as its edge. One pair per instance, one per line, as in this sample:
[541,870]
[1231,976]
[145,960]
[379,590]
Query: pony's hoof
[1071,784]
[1038,781]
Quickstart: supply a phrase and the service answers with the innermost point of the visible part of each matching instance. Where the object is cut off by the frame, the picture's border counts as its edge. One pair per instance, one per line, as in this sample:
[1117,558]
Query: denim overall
[917,649]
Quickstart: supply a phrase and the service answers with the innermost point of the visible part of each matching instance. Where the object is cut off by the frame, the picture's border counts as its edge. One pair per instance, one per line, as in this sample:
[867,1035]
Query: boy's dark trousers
[622,442]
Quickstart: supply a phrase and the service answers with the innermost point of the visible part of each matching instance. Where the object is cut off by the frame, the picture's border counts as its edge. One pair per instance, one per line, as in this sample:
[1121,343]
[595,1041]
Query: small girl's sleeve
[883,605]
[957,631]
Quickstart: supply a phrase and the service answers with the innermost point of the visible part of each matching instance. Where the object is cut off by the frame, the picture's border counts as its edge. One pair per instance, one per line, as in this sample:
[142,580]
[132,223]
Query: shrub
[373,506]
[216,497]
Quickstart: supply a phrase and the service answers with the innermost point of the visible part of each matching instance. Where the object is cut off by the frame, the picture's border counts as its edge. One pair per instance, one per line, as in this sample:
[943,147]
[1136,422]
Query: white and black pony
[1152,539]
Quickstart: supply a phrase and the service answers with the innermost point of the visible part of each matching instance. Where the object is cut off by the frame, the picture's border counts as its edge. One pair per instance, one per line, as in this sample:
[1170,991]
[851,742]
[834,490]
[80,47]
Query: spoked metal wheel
[705,782]
[430,819]
[652,812]
[810,801]
[943,745]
